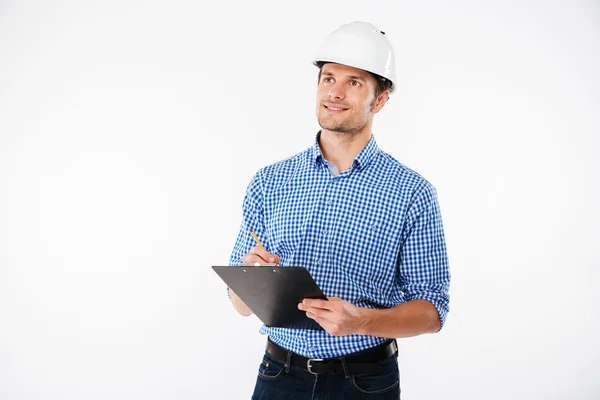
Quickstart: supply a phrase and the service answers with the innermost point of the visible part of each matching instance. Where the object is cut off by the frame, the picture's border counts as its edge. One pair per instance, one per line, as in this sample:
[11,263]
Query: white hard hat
[360,45]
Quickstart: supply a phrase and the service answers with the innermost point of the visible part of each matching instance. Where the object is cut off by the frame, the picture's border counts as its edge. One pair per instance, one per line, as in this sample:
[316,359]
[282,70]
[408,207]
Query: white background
[129,131]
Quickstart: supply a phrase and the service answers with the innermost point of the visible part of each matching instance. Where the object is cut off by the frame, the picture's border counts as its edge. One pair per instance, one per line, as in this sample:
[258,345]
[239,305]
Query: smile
[334,109]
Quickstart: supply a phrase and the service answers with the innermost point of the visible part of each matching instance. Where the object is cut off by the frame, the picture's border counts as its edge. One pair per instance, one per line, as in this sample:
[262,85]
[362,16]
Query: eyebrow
[356,77]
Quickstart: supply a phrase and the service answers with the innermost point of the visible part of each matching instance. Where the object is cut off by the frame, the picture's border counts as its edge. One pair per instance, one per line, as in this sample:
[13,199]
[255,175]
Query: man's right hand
[258,254]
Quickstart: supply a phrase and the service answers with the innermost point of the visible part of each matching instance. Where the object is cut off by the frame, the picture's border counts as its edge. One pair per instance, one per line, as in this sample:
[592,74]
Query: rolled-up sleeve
[423,269]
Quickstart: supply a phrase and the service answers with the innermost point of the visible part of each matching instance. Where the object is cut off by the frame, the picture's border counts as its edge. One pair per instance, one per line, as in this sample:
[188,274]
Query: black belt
[362,362]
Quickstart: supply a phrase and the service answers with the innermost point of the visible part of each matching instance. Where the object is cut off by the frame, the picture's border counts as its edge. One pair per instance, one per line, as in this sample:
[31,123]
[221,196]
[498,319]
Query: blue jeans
[273,382]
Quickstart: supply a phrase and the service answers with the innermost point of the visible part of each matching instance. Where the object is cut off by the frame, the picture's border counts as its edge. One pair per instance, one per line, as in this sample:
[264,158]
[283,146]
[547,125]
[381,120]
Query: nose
[336,92]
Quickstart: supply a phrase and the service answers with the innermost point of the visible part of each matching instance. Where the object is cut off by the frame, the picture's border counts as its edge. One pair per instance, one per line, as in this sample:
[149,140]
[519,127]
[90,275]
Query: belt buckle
[309,366]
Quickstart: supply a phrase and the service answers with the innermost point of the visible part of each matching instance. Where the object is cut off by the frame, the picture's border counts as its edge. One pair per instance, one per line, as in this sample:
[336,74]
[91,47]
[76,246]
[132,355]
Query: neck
[342,148]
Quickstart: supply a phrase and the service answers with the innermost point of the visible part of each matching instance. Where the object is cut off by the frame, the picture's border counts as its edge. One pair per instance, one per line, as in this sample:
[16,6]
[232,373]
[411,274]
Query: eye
[327,80]
[354,83]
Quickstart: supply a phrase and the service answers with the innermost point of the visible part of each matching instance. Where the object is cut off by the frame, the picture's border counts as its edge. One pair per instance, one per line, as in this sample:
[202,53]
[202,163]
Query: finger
[251,259]
[317,303]
[316,317]
[319,312]
[264,254]
[330,328]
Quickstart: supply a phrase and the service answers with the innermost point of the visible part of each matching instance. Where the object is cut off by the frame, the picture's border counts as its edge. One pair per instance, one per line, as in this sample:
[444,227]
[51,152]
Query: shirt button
[329,202]
[319,262]
[324,232]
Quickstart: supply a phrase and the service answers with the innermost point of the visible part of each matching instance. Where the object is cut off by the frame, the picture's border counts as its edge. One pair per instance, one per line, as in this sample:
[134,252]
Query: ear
[381,100]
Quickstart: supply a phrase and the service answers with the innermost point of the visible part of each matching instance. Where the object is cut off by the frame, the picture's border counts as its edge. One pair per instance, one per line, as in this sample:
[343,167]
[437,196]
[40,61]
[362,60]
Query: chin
[330,126]
[338,129]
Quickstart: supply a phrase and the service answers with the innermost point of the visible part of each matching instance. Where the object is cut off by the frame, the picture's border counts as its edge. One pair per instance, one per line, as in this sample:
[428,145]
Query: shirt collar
[362,159]
[316,154]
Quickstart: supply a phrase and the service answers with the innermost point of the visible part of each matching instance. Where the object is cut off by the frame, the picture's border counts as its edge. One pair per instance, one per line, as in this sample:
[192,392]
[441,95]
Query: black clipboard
[273,293]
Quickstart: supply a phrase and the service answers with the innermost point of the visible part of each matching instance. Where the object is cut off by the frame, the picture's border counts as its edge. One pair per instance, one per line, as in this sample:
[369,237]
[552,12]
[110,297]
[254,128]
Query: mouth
[334,108]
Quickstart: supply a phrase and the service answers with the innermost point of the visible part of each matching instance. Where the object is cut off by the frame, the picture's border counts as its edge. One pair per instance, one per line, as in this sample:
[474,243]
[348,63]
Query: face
[346,98]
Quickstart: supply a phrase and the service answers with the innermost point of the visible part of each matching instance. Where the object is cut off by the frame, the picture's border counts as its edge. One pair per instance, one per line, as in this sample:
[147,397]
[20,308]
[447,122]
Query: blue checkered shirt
[372,236]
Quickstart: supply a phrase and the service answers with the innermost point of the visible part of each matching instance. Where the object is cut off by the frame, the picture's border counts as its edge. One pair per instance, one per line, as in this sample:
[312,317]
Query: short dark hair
[383,84]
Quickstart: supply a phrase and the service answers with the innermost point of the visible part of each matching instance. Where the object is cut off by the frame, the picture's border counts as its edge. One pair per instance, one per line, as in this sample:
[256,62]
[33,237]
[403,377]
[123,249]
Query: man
[367,228]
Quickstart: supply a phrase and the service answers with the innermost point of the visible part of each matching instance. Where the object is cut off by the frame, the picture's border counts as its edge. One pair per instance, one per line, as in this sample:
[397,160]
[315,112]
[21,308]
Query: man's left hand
[338,317]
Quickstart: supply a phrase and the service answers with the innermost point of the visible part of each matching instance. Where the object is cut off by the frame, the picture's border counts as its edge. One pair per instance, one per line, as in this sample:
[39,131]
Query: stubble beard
[349,125]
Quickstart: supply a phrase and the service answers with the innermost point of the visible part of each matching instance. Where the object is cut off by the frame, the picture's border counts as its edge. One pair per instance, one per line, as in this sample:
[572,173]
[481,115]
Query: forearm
[408,319]
[239,305]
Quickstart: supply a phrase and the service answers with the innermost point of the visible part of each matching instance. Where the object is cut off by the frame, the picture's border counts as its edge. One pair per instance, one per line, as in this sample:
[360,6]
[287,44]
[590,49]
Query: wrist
[365,320]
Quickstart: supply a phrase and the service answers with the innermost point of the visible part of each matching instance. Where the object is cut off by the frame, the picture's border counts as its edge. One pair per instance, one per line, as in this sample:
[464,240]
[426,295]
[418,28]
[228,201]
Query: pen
[255,237]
